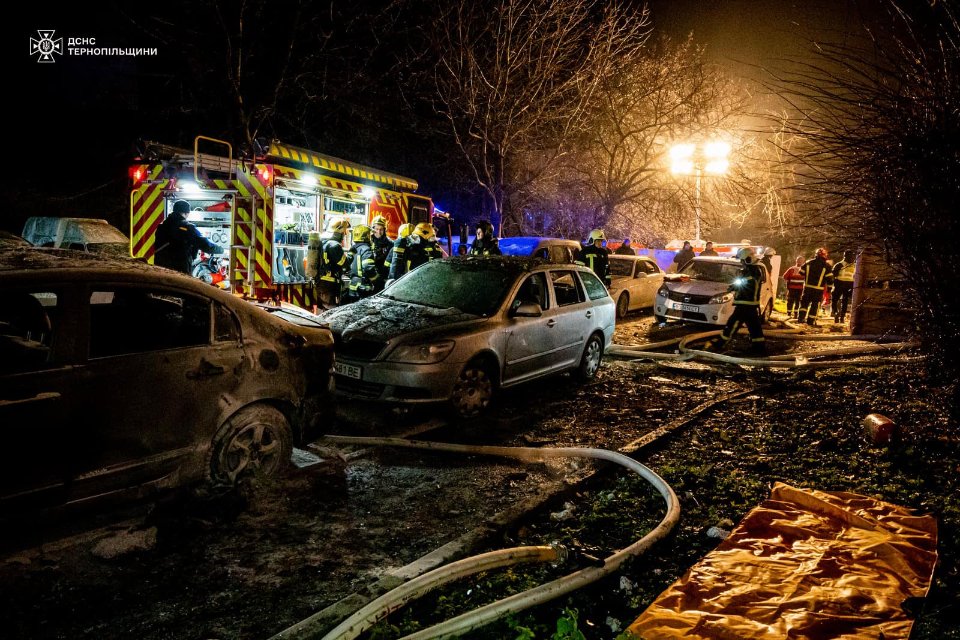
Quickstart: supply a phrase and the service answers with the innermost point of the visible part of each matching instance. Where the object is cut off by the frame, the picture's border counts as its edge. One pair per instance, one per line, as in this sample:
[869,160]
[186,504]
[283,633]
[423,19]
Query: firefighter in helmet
[333,261]
[178,241]
[816,277]
[363,270]
[381,246]
[399,244]
[416,249]
[746,304]
[486,243]
[595,256]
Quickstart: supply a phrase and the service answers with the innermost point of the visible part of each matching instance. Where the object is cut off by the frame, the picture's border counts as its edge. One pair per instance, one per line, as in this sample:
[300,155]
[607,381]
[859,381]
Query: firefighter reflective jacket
[381,249]
[363,270]
[816,273]
[597,259]
[334,260]
[177,243]
[843,271]
[486,247]
[411,252]
[746,287]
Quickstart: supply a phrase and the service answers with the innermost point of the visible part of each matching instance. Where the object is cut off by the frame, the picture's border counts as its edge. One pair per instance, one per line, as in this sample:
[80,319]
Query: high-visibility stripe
[337,165]
[146,218]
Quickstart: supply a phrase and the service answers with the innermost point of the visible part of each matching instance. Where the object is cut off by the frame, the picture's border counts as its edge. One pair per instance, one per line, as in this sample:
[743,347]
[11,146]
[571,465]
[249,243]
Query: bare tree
[881,154]
[519,76]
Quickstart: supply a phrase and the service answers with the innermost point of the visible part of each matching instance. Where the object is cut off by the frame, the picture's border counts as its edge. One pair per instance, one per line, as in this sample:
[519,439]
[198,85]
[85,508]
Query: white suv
[700,292]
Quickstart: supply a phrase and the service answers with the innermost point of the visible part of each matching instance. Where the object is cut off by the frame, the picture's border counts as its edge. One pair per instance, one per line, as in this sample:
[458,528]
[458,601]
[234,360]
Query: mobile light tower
[692,159]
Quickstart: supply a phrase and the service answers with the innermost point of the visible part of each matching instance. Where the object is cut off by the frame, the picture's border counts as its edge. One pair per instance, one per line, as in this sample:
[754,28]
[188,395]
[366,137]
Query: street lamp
[689,159]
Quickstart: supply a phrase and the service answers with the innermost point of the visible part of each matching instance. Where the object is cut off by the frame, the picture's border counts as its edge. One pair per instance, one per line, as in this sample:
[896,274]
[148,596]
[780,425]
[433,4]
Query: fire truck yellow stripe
[339,165]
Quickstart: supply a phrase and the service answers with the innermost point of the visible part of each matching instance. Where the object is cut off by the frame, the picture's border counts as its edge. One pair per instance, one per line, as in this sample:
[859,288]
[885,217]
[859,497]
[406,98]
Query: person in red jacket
[794,280]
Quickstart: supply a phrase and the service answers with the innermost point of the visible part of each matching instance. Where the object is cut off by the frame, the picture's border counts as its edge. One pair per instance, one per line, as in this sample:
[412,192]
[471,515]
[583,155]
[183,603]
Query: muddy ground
[249,563]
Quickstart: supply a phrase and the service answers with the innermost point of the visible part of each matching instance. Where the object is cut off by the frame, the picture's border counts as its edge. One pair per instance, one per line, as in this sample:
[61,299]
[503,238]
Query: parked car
[117,378]
[458,330]
[11,241]
[82,234]
[700,292]
[635,281]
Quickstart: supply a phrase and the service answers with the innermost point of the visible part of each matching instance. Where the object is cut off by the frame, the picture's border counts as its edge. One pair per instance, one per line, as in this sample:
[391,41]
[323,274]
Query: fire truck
[261,210]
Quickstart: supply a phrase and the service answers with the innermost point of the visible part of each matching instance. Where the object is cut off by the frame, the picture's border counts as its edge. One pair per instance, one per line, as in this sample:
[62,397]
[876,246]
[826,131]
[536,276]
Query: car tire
[623,305]
[473,391]
[659,319]
[255,442]
[591,359]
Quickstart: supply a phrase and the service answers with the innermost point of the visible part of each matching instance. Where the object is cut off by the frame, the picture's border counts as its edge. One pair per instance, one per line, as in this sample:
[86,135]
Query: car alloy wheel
[592,356]
[623,305]
[472,392]
[255,442]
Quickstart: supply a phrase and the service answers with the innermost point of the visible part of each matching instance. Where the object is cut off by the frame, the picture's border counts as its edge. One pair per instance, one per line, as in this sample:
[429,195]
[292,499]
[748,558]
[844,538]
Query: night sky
[74,122]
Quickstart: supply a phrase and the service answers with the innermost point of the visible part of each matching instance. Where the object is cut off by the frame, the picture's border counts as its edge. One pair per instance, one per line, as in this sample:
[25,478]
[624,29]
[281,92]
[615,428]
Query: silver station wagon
[458,330]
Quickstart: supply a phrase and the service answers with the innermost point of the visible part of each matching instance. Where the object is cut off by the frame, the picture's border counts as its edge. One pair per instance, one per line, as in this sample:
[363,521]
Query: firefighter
[398,249]
[381,246]
[333,261]
[794,280]
[595,256]
[843,285]
[746,304]
[364,275]
[178,241]
[816,278]
[417,248]
[486,243]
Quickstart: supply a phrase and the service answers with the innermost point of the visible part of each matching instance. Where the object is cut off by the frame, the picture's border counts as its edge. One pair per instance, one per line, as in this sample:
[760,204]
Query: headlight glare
[721,298]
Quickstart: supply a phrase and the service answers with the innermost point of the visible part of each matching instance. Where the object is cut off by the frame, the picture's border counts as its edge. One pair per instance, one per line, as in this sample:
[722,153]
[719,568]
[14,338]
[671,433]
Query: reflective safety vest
[843,271]
[816,274]
[363,270]
[334,260]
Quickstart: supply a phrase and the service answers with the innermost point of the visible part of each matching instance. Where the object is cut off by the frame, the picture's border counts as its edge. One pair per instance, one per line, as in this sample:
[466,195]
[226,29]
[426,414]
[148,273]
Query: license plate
[348,370]
[686,307]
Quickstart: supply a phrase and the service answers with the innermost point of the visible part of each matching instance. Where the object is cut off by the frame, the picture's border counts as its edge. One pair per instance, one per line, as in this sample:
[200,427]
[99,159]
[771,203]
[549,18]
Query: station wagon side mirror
[527,310]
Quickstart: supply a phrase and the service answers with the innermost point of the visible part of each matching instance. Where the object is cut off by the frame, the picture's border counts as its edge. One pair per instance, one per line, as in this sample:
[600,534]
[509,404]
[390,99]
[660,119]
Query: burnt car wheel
[623,305]
[255,442]
[473,391]
[590,361]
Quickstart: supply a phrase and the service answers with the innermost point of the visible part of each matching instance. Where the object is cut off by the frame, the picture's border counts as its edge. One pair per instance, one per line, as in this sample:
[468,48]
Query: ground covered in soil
[249,563]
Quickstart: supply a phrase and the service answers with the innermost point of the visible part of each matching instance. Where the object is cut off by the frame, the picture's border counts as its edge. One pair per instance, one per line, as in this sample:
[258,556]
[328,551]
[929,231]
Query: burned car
[117,378]
[458,330]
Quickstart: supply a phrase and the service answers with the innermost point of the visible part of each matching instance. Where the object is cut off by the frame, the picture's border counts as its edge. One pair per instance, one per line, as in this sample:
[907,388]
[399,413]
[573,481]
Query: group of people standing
[809,282]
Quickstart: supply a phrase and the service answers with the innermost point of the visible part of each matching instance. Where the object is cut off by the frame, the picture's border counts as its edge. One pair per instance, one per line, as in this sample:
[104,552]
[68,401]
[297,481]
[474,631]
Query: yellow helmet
[378,220]
[361,233]
[404,230]
[340,226]
[425,231]
[597,234]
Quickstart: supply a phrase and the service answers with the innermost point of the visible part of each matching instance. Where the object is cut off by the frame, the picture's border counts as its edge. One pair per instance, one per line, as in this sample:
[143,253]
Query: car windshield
[477,287]
[621,267]
[711,271]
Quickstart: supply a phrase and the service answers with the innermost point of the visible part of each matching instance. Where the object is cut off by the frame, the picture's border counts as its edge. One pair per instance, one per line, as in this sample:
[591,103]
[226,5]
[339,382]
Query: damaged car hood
[699,287]
[382,319]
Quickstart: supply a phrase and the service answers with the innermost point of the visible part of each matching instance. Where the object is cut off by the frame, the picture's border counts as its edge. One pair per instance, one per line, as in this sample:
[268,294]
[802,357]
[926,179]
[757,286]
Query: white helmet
[746,255]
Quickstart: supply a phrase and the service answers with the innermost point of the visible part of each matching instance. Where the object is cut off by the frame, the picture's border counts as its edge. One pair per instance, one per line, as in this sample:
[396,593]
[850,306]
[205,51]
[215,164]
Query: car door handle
[589,314]
[551,322]
[206,369]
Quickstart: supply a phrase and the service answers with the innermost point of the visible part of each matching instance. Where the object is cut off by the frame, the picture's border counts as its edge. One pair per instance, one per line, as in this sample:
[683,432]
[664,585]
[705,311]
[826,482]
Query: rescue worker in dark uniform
[418,248]
[381,246]
[746,305]
[333,261]
[486,243]
[595,256]
[816,277]
[398,249]
[843,285]
[178,241]
[363,270]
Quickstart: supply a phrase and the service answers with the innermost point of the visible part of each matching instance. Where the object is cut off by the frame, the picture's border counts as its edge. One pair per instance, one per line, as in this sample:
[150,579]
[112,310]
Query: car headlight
[427,353]
[721,298]
[663,291]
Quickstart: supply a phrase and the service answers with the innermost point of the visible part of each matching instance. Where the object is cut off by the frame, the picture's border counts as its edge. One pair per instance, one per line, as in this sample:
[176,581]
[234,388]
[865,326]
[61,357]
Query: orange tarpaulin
[804,564]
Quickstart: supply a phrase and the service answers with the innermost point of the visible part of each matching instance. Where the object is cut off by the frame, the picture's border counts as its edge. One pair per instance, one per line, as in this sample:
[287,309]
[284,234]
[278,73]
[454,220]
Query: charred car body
[457,330]
[117,377]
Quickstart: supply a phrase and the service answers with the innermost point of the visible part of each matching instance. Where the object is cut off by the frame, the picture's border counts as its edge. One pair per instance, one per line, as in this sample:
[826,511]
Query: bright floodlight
[716,154]
[369,193]
[309,179]
[681,158]
[190,187]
